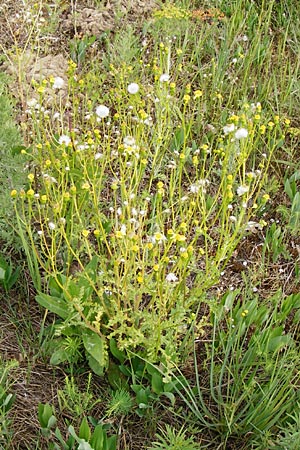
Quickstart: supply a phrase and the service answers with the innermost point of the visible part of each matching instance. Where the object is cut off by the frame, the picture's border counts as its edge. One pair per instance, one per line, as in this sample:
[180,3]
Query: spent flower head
[64,139]
[164,78]
[102,111]
[58,83]
[133,88]
[241,133]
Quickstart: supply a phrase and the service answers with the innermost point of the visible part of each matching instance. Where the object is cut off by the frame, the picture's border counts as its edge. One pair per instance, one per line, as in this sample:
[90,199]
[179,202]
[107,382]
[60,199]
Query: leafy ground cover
[149,222]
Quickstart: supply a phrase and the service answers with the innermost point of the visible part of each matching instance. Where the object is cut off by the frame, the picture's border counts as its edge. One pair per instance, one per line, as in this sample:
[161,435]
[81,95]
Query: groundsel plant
[131,213]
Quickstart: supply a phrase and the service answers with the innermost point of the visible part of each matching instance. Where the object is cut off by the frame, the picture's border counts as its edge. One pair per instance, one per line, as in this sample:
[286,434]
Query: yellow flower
[266,197]
[158,236]
[156,267]
[135,248]
[183,226]
[180,237]
[85,186]
[43,199]
[160,185]
[186,98]
[30,193]
[204,147]
[140,278]
[262,129]
[30,177]
[149,245]
[97,233]
[85,233]
[13,193]
[198,94]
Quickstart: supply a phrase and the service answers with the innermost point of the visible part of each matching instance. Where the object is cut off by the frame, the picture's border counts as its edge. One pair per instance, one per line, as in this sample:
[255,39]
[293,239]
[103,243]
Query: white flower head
[98,155]
[229,128]
[51,226]
[133,88]
[32,102]
[241,133]
[129,141]
[241,190]
[171,277]
[102,111]
[123,230]
[164,78]
[64,139]
[58,83]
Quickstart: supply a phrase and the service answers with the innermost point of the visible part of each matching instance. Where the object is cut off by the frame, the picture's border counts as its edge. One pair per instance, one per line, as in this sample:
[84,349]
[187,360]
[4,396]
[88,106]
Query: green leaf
[59,356]
[97,438]
[277,342]
[112,443]
[95,366]
[54,304]
[170,396]
[157,383]
[115,351]
[228,300]
[12,278]
[45,412]
[84,430]
[2,274]
[95,346]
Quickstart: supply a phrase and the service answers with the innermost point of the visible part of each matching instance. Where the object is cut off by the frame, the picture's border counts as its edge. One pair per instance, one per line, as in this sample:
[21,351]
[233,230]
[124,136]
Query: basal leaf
[54,304]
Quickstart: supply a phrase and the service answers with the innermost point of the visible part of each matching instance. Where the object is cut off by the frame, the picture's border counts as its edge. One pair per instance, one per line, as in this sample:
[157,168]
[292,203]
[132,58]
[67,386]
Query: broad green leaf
[157,383]
[111,443]
[229,300]
[115,351]
[95,346]
[95,366]
[45,412]
[54,304]
[97,438]
[170,396]
[84,430]
[277,342]
[60,355]
[13,278]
